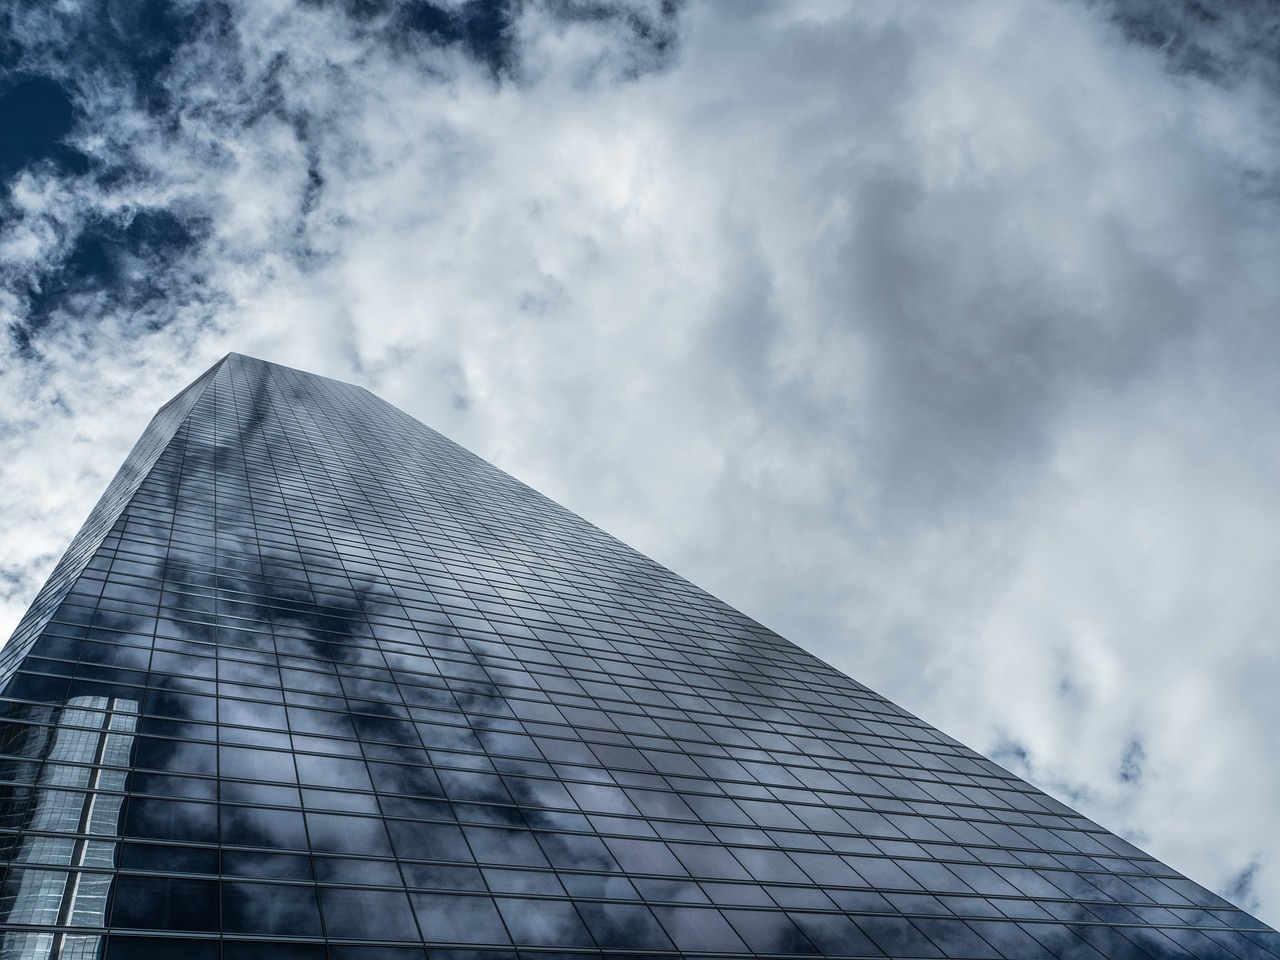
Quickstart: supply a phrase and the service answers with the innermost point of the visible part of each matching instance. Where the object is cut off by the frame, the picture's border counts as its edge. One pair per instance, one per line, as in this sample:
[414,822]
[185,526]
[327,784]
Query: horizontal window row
[319,648]
[410,683]
[286,838]
[447,742]
[248,751]
[235,907]
[454,688]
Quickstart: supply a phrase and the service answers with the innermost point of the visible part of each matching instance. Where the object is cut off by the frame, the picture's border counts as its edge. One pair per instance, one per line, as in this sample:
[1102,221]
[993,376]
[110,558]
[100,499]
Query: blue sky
[941,338]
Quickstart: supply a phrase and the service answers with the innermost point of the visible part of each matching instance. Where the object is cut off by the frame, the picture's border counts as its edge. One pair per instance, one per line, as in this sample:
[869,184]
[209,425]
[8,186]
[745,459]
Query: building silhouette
[315,683]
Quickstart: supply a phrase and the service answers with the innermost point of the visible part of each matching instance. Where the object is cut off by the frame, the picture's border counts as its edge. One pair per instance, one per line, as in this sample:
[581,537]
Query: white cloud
[938,337]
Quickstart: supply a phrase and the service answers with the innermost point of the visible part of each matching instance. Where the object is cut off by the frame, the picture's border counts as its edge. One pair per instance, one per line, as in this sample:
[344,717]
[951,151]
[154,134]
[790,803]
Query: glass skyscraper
[314,683]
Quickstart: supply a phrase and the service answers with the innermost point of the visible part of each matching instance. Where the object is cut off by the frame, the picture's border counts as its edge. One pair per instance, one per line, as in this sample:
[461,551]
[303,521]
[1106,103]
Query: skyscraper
[315,682]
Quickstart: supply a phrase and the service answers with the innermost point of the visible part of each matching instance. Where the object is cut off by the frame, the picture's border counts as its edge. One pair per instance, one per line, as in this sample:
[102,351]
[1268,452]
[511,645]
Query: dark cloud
[1242,888]
[1132,763]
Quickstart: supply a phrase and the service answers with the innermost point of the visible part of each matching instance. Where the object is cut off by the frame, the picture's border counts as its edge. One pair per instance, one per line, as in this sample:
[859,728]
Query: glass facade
[314,682]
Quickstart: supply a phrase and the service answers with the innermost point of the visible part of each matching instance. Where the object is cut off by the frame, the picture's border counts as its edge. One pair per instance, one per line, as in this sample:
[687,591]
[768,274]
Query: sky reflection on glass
[314,674]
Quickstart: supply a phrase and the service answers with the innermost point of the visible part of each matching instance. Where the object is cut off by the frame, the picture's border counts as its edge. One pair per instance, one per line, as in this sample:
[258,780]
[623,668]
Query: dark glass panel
[314,799]
[160,948]
[835,934]
[155,819]
[353,952]
[446,918]
[176,756]
[428,841]
[543,923]
[955,938]
[331,771]
[335,833]
[351,871]
[644,856]
[267,866]
[168,858]
[624,926]
[275,950]
[270,909]
[772,865]
[263,827]
[245,763]
[441,877]
[711,862]
[164,903]
[698,928]
[897,937]
[355,913]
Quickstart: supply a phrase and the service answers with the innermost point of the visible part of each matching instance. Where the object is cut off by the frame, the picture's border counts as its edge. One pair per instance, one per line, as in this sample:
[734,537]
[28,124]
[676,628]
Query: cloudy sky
[942,337]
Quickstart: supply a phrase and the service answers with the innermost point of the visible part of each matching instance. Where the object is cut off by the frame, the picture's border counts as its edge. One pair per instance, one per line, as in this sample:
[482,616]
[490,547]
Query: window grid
[329,684]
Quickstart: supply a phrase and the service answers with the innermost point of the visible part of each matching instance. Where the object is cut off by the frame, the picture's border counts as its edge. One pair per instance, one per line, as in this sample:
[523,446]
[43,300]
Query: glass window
[414,839]
[160,948]
[155,819]
[270,909]
[267,866]
[335,833]
[361,913]
[448,918]
[543,923]
[263,827]
[165,903]
[645,856]
[698,928]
